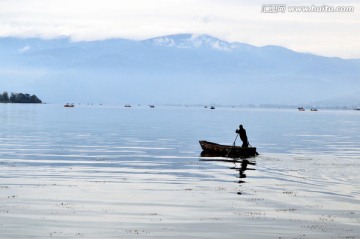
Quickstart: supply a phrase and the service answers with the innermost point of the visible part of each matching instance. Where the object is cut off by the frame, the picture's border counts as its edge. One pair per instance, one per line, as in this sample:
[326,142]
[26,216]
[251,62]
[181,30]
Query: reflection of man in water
[242,132]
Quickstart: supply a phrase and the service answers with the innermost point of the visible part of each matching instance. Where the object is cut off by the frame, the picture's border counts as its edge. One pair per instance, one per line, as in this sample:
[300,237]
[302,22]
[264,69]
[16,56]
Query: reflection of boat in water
[69,105]
[231,151]
[243,167]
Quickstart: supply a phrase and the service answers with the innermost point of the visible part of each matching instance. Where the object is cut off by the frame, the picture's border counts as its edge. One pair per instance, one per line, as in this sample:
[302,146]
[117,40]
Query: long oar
[235,139]
[233,145]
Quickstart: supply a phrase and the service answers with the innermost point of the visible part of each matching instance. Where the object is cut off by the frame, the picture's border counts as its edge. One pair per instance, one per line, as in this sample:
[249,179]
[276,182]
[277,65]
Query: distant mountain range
[180,69]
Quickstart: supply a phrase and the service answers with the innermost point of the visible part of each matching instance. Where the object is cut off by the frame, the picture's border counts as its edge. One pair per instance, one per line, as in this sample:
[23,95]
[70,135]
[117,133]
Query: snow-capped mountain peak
[191,41]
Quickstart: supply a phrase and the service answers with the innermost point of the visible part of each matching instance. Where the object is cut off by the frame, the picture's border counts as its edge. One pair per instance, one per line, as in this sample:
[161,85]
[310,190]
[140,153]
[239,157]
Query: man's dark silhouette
[242,133]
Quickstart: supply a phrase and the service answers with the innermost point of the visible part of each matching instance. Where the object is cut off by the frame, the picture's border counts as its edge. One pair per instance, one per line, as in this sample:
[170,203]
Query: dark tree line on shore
[19,98]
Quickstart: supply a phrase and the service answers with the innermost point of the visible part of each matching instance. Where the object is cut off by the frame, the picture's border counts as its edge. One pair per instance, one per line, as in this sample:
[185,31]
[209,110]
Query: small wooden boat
[214,149]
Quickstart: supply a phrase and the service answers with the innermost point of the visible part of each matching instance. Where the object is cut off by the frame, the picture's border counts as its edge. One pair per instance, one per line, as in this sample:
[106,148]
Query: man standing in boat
[242,133]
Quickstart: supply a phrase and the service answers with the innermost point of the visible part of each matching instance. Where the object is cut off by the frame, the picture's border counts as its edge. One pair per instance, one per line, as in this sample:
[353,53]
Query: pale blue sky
[328,34]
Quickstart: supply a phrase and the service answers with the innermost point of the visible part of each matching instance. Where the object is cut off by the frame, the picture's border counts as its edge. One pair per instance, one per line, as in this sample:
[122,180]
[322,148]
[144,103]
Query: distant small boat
[152,106]
[301,109]
[127,106]
[205,106]
[212,107]
[357,109]
[69,105]
[231,151]
[313,109]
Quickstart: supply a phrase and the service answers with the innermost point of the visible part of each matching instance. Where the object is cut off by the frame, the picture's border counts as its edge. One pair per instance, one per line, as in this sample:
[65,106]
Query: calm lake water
[115,172]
